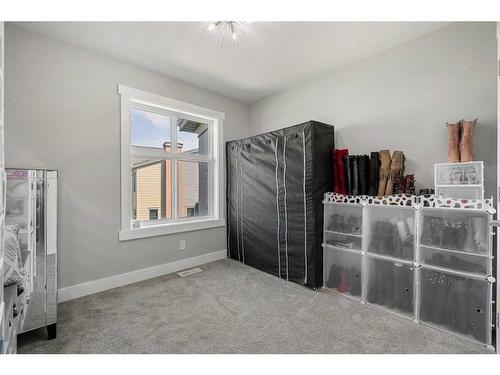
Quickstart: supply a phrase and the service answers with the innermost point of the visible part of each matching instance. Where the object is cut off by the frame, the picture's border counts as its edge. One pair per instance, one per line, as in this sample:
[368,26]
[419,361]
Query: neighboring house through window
[171,165]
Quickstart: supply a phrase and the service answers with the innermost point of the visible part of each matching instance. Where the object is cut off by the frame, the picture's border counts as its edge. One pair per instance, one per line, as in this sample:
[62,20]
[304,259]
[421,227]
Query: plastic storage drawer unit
[390,231]
[390,285]
[456,303]
[342,271]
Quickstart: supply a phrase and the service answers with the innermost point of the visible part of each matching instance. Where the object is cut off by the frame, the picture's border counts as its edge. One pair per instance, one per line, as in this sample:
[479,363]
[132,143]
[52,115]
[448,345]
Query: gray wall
[62,112]
[402,98]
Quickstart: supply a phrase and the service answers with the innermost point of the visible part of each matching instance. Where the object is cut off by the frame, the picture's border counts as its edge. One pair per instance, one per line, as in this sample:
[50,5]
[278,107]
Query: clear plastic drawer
[460,192]
[344,218]
[390,285]
[456,303]
[468,173]
[342,271]
[460,230]
[390,231]
[456,260]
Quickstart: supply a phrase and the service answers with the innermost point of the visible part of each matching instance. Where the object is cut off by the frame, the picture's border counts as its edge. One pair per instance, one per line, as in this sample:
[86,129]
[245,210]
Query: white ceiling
[271,57]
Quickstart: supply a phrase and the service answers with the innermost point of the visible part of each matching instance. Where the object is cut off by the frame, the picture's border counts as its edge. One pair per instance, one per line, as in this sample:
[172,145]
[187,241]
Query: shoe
[355,175]
[343,286]
[480,234]
[466,140]
[410,184]
[470,245]
[353,225]
[384,172]
[363,174]
[397,169]
[339,170]
[399,185]
[470,176]
[374,173]
[334,278]
[355,282]
[349,173]
[453,142]
[477,312]
[460,315]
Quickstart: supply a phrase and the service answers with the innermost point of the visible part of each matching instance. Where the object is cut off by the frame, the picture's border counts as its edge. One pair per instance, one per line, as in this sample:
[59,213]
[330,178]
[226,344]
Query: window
[153,213]
[171,165]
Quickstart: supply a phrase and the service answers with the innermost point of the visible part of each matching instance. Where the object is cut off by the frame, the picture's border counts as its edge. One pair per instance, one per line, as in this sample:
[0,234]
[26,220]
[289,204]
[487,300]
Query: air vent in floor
[189,272]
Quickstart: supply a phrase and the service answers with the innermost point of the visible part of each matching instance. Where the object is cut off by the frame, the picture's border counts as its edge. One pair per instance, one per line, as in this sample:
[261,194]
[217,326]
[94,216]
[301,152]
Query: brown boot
[385,169]
[453,142]
[466,140]
[397,170]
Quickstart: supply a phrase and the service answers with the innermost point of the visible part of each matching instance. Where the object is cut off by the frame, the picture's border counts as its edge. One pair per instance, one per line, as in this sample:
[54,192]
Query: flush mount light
[228,32]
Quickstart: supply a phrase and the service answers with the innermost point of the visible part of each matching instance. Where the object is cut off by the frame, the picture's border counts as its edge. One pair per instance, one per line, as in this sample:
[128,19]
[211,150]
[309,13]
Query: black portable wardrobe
[275,187]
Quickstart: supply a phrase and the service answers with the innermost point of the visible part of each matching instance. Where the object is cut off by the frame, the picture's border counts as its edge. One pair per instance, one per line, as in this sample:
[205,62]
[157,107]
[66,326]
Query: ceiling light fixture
[227,32]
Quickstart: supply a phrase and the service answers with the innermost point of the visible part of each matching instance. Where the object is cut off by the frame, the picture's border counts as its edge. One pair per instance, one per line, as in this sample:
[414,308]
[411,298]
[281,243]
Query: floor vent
[189,272]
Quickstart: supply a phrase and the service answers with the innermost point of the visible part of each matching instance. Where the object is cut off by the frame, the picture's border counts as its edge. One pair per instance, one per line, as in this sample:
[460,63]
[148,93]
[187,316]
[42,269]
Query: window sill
[159,230]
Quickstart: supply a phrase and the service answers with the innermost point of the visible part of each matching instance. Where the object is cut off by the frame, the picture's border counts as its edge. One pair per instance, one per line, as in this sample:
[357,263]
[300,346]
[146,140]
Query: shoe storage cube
[456,303]
[344,218]
[462,230]
[342,271]
[467,173]
[390,285]
[390,231]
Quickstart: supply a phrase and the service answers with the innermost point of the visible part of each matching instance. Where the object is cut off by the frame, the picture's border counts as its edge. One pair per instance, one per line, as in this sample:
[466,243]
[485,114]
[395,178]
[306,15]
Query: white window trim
[216,178]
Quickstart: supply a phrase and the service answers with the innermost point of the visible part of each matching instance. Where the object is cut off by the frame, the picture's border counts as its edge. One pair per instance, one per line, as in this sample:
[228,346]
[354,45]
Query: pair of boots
[460,141]
[395,240]
[357,174]
[456,302]
[404,184]
[391,285]
[345,280]
[390,168]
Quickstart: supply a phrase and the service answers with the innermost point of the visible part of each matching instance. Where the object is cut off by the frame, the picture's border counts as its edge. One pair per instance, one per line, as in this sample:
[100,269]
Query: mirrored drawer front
[456,260]
[344,218]
[461,192]
[342,271]
[390,285]
[470,173]
[455,303]
[391,232]
[457,230]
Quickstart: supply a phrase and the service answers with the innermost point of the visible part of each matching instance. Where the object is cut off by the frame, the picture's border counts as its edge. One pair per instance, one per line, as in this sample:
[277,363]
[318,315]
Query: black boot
[334,279]
[429,287]
[355,175]
[461,321]
[363,172]
[349,171]
[374,173]
[477,313]
[443,302]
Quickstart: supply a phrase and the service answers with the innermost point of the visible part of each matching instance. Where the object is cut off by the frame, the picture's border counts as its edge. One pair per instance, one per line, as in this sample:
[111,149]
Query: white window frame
[132,229]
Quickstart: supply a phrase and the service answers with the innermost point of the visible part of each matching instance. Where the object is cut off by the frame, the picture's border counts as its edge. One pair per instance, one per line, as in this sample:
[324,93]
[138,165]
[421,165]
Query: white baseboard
[91,287]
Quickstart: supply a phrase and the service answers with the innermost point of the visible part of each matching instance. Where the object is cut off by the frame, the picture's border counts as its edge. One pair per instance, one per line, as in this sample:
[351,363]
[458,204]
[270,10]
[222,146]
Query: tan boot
[453,142]
[385,169]
[397,170]
[466,140]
